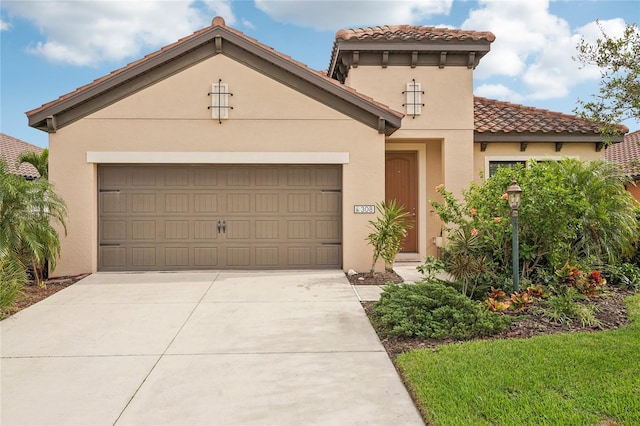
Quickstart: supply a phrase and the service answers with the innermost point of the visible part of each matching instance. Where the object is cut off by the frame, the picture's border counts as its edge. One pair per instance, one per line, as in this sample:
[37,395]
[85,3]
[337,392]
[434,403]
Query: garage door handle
[222,226]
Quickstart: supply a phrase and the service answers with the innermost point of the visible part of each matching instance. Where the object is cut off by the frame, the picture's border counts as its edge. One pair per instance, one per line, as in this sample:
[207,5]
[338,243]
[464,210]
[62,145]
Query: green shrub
[563,308]
[431,267]
[433,310]
[625,275]
[12,278]
[571,212]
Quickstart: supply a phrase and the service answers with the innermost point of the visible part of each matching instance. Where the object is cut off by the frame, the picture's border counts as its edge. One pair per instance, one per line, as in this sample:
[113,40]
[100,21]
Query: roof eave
[542,137]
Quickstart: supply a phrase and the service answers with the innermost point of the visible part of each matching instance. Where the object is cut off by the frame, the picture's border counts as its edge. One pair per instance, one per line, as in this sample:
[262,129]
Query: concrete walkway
[269,348]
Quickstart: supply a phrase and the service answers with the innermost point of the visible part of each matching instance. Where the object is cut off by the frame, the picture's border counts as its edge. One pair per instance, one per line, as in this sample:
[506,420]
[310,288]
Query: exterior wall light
[515,198]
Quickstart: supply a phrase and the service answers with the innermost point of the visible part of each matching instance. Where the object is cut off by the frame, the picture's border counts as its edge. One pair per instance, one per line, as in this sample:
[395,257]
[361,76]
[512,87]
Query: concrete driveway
[229,348]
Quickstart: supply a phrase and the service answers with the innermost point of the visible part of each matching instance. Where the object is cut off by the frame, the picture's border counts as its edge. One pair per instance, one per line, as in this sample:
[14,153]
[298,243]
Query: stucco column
[457,161]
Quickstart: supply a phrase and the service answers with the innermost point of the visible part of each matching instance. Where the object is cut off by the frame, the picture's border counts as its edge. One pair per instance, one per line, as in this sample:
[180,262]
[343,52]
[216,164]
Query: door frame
[421,219]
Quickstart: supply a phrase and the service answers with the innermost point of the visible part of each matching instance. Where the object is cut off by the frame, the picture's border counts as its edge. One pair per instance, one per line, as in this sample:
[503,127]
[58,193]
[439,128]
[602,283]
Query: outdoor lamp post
[515,197]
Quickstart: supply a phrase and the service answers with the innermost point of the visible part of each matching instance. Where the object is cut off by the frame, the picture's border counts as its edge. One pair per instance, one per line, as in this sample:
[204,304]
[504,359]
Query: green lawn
[565,379]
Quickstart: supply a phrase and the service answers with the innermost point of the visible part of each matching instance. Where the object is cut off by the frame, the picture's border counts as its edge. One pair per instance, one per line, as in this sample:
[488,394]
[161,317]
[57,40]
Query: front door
[401,184]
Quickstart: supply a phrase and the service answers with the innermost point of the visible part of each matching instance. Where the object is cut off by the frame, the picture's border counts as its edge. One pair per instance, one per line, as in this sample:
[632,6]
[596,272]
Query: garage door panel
[176,203]
[238,203]
[171,217]
[205,230]
[328,255]
[205,257]
[113,258]
[299,203]
[144,257]
[176,257]
[176,230]
[144,230]
[299,256]
[267,229]
[113,202]
[205,203]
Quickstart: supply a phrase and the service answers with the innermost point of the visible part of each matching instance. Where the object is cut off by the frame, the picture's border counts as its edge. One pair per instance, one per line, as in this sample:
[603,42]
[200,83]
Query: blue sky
[49,47]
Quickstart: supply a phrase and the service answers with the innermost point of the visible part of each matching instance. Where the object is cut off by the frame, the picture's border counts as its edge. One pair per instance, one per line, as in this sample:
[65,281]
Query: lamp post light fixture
[515,198]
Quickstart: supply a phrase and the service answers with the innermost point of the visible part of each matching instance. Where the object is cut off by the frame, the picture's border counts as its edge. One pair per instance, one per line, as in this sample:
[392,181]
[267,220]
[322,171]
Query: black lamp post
[515,197]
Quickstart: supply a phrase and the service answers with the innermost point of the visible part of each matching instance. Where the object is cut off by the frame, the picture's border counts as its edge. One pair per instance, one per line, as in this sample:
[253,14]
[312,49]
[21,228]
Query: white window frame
[524,158]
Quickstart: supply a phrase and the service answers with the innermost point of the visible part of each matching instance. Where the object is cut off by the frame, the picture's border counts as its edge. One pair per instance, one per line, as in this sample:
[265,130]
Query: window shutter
[414,98]
[220,101]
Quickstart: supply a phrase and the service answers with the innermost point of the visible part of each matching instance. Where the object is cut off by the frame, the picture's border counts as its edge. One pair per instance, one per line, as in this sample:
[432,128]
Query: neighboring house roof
[498,121]
[10,149]
[202,44]
[627,154]
[410,45]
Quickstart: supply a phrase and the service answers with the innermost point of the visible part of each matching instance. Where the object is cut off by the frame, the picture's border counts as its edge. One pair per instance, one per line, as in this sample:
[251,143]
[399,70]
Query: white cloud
[4,26]
[534,48]
[87,33]
[247,24]
[498,91]
[333,15]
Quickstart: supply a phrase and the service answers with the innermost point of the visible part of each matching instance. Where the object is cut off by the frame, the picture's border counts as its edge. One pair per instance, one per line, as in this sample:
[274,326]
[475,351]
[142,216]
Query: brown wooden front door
[401,184]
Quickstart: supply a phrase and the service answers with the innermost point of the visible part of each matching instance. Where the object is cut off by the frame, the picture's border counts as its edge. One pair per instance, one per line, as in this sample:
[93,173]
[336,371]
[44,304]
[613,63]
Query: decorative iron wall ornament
[220,100]
[414,94]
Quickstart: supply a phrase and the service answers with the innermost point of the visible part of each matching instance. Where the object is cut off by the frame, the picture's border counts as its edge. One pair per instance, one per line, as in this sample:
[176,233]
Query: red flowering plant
[474,236]
[589,284]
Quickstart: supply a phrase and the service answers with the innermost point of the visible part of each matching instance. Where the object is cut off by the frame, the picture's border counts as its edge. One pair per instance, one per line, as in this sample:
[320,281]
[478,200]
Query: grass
[565,379]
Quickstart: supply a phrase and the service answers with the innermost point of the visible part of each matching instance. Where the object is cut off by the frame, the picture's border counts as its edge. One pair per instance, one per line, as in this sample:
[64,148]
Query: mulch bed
[612,314]
[33,293]
[375,278]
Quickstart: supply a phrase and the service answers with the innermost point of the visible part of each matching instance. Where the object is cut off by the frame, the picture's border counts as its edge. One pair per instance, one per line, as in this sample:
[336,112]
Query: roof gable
[203,44]
[10,149]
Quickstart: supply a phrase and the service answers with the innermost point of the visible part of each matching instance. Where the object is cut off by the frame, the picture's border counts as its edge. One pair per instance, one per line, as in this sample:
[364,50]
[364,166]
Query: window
[492,164]
[495,165]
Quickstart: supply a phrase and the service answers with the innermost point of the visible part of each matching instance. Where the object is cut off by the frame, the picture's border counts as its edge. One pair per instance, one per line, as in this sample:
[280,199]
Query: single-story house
[10,149]
[627,154]
[218,152]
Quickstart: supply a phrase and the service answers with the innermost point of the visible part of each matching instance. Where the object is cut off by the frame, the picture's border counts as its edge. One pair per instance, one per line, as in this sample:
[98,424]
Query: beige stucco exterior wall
[510,151]
[172,116]
[442,134]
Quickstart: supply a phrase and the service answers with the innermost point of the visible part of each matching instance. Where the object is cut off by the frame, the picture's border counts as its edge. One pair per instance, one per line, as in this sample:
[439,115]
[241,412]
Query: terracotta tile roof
[493,116]
[627,154]
[410,32]
[216,22]
[10,148]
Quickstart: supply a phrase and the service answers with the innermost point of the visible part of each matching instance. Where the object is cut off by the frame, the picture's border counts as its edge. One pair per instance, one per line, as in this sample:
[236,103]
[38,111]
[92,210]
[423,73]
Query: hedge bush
[430,309]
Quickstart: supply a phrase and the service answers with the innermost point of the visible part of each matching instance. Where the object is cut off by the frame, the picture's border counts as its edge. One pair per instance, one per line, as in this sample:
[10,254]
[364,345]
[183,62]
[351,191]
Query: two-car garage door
[183,217]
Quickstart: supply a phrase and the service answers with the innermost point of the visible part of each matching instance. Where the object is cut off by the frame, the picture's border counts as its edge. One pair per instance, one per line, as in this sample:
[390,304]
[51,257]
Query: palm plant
[28,211]
[388,232]
[608,226]
[39,161]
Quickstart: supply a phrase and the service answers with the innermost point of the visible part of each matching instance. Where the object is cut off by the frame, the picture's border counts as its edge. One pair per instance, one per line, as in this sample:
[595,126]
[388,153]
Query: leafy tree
[28,210]
[39,161]
[619,95]
[572,212]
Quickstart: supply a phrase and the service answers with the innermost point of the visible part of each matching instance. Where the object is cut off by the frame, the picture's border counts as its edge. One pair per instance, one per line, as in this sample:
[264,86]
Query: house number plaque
[364,209]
